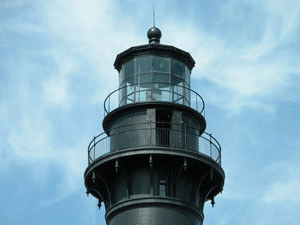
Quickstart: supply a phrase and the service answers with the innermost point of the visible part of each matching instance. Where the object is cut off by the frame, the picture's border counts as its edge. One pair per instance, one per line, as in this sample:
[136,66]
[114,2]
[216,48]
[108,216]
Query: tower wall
[156,211]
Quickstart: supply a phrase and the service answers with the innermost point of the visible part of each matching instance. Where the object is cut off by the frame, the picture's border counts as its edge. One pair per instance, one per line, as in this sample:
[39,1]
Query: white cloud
[71,65]
[57,90]
[254,75]
[284,186]
[76,45]
[280,192]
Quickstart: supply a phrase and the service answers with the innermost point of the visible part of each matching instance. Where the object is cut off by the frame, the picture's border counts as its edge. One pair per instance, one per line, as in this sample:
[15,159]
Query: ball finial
[154,35]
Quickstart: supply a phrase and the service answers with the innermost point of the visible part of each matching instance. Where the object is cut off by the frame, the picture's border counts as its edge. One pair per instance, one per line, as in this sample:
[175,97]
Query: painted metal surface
[154,163]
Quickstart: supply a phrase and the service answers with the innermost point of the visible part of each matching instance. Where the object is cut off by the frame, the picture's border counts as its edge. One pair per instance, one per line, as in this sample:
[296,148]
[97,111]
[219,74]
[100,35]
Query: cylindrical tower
[154,163]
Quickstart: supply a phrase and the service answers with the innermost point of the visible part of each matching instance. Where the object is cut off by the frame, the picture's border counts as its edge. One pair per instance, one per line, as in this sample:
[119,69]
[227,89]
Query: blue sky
[56,68]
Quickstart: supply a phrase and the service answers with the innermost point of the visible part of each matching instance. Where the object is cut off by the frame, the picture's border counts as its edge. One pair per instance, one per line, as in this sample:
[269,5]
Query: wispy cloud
[285,184]
[57,69]
[75,45]
[252,75]
[282,192]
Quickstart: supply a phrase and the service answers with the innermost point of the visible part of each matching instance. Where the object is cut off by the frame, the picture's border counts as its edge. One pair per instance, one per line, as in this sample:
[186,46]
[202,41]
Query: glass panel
[143,65]
[176,80]
[145,78]
[123,96]
[161,64]
[156,93]
[128,69]
[178,68]
[178,93]
[121,77]
[130,98]
[187,97]
[162,79]
[130,90]
[162,187]
[187,77]
[145,92]
[129,80]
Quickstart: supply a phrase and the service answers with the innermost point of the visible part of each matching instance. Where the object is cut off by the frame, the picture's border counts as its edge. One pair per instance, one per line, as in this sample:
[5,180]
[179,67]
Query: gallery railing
[136,93]
[176,136]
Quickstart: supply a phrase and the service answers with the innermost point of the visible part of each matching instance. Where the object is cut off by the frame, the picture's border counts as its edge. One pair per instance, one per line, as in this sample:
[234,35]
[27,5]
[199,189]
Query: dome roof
[154,35]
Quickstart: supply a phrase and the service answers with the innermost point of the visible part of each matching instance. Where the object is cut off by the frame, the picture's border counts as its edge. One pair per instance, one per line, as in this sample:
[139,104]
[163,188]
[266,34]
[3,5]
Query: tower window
[162,187]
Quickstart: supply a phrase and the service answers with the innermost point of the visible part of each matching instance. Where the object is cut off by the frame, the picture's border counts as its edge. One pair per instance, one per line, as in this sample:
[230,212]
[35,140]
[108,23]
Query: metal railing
[150,134]
[179,95]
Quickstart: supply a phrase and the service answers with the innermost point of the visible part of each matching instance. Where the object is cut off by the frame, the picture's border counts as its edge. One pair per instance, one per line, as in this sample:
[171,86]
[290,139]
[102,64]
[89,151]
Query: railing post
[185,136]
[94,148]
[210,145]
[150,130]
[117,141]
[108,104]
[89,156]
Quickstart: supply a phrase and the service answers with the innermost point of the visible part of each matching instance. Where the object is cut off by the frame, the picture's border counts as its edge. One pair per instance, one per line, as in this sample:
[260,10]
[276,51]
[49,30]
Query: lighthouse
[154,163]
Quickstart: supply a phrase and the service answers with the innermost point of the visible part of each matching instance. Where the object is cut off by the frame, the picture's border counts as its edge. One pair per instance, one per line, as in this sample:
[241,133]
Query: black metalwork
[154,163]
[150,134]
[113,100]
[154,35]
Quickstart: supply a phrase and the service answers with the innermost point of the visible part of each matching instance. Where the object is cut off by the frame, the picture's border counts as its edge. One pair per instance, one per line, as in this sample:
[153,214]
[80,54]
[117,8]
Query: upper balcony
[155,92]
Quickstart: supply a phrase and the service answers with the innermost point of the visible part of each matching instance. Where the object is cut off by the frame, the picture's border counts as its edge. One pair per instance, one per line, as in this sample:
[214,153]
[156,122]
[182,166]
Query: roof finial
[154,35]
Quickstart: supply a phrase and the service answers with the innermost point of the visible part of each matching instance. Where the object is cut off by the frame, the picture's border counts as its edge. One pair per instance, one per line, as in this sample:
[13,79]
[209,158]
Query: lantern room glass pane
[144,93]
[162,79]
[144,78]
[187,76]
[187,97]
[128,69]
[161,64]
[176,80]
[121,77]
[143,65]
[178,68]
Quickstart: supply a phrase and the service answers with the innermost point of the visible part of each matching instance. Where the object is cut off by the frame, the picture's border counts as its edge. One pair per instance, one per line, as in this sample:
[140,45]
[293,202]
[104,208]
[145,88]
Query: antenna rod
[153,16]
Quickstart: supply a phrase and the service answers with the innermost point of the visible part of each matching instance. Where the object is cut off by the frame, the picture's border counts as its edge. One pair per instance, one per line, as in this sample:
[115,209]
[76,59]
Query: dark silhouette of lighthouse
[154,163]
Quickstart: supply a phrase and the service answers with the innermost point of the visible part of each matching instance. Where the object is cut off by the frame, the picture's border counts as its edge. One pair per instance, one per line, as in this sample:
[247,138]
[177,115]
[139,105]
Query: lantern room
[154,72]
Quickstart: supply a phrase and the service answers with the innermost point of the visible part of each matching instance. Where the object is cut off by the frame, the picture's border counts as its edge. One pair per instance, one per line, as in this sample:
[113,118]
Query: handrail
[195,100]
[154,135]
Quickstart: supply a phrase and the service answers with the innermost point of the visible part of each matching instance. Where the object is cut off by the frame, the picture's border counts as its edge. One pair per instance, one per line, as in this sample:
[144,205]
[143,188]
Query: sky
[56,68]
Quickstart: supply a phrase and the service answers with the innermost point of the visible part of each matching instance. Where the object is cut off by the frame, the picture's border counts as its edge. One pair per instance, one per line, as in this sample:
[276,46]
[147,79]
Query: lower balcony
[150,134]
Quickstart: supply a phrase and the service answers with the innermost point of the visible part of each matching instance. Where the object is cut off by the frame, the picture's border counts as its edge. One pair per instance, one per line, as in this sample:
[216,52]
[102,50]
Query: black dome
[154,35]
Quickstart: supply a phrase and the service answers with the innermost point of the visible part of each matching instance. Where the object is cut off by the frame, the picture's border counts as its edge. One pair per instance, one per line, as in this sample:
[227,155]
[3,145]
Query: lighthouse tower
[154,163]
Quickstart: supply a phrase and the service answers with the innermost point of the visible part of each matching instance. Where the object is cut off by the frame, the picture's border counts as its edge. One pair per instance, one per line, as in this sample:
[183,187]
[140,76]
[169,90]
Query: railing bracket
[99,204]
[150,161]
[211,173]
[94,177]
[117,166]
[213,202]
[185,164]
